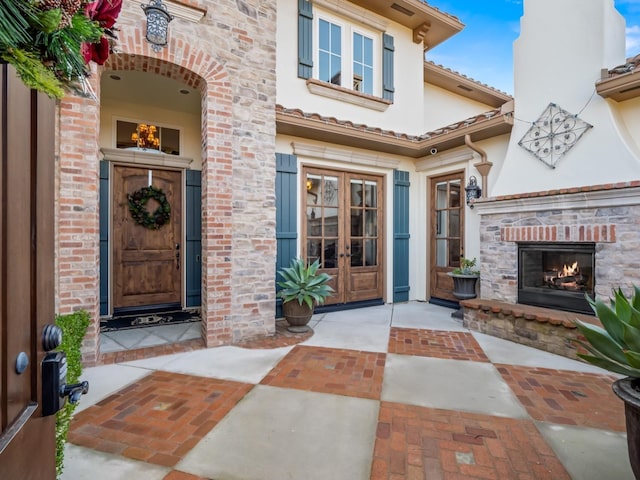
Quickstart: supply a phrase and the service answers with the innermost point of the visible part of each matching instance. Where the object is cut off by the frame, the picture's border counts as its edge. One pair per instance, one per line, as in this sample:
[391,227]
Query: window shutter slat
[387,67]
[401,236]
[305,42]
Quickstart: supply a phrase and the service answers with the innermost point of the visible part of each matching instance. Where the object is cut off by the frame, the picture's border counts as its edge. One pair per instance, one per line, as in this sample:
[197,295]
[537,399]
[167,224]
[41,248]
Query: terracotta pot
[628,389]
[297,316]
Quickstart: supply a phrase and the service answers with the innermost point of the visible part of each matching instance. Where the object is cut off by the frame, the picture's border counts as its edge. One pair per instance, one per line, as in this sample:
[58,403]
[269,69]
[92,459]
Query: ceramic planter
[628,389]
[464,286]
[297,316]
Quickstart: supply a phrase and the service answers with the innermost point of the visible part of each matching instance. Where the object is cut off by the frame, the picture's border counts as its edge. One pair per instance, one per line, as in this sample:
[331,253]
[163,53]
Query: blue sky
[491,27]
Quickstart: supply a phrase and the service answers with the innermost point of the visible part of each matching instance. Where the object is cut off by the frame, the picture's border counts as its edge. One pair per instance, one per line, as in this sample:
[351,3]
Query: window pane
[324,67]
[336,40]
[314,248]
[371,194]
[371,252]
[368,52]
[441,195]
[371,223]
[454,195]
[442,223]
[357,47]
[314,222]
[441,252]
[330,253]
[330,222]
[454,223]
[368,81]
[330,192]
[356,253]
[356,193]
[324,38]
[454,253]
[356,222]
[170,140]
[336,70]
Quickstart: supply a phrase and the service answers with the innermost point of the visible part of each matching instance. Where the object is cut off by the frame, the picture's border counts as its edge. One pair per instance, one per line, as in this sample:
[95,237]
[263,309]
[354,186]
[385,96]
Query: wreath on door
[138,207]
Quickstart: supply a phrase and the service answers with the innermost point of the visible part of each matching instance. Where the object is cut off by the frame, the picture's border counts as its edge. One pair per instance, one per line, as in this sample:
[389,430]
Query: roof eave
[322,129]
[620,87]
[460,85]
[430,26]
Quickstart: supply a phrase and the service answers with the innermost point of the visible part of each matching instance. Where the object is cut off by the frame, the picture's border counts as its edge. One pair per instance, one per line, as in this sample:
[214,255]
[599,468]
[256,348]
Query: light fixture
[145,137]
[473,191]
[158,19]
[309,185]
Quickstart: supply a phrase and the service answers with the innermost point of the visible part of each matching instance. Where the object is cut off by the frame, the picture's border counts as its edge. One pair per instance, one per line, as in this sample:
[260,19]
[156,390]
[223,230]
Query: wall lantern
[158,19]
[473,190]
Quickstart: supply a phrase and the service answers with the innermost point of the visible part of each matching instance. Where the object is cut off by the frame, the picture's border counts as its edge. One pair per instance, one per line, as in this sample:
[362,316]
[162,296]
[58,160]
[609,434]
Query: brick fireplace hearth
[606,217]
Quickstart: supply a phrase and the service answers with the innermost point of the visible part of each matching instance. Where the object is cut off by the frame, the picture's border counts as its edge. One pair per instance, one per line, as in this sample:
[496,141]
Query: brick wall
[230,57]
[607,215]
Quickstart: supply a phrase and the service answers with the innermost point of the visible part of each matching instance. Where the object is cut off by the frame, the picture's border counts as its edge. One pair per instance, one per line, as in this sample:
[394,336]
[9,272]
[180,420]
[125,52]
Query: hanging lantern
[158,19]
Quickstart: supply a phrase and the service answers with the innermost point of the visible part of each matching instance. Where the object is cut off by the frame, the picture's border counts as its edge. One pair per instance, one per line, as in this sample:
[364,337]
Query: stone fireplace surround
[607,215]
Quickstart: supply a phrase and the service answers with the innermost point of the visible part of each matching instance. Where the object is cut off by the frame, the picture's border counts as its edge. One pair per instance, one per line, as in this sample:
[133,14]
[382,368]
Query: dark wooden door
[446,240]
[147,262]
[27,439]
[343,227]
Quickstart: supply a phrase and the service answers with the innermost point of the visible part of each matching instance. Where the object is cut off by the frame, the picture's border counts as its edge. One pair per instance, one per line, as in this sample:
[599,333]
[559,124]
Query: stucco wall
[405,115]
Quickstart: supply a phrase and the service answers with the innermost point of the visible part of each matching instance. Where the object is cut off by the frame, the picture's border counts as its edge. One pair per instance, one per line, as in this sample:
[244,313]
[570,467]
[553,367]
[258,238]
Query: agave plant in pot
[302,289]
[465,278]
[616,348]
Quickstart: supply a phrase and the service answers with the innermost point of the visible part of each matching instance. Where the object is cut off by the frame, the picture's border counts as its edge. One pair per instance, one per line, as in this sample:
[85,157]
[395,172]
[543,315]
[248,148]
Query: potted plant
[302,289]
[616,348]
[465,278]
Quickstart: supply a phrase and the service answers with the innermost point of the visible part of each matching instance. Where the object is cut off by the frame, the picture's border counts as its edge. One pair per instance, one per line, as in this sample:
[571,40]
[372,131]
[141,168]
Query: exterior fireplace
[556,275]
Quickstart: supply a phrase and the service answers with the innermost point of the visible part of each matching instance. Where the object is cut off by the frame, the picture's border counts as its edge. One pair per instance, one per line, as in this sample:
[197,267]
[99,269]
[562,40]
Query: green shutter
[286,215]
[387,67]
[400,236]
[104,237]
[305,39]
[193,248]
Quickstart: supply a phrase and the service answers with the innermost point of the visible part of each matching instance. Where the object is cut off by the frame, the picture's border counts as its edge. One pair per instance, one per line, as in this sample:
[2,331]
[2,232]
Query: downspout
[483,166]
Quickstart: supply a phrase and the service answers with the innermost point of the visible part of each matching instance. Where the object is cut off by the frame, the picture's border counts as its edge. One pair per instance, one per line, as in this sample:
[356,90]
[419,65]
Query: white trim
[342,156]
[179,10]
[140,157]
[348,96]
[571,201]
[443,160]
[353,12]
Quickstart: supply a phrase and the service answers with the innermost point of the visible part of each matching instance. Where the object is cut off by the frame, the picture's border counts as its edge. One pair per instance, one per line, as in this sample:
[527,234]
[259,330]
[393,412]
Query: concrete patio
[392,392]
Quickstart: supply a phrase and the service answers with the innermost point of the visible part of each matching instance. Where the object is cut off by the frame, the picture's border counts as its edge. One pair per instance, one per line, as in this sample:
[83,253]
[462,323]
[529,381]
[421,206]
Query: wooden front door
[27,439]
[147,262]
[446,240]
[343,227]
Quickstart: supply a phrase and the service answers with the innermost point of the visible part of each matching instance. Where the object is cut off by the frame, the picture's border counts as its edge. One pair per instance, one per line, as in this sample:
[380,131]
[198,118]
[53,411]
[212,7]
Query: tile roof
[631,65]
[295,121]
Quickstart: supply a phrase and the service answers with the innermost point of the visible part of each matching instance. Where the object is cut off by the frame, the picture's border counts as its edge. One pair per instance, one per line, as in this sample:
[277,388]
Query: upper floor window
[349,55]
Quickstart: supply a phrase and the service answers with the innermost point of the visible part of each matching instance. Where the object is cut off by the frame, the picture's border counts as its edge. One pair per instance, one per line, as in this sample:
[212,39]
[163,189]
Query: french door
[342,226]
[447,232]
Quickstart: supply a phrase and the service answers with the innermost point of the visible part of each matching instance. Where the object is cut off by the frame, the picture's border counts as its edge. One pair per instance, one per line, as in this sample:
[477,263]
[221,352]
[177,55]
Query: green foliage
[616,347]
[303,283]
[46,52]
[74,327]
[467,267]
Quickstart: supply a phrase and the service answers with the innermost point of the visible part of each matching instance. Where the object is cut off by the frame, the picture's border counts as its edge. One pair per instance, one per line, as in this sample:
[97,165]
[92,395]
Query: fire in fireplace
[556,275]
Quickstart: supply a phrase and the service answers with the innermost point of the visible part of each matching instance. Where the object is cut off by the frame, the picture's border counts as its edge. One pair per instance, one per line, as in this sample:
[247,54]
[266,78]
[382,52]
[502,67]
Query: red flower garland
[105,12]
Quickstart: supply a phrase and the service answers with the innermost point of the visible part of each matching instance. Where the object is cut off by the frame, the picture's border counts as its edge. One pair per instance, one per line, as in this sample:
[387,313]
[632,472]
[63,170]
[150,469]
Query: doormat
[141,320]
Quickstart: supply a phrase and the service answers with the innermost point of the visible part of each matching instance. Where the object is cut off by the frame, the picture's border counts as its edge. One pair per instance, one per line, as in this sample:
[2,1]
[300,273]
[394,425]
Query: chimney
[558,58]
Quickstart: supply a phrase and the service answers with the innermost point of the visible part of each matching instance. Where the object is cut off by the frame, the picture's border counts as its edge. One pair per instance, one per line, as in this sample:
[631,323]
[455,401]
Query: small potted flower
[302,289]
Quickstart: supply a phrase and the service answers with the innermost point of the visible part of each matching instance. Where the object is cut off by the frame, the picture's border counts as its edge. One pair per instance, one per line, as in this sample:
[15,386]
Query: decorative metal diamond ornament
[553,134]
